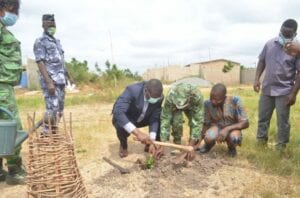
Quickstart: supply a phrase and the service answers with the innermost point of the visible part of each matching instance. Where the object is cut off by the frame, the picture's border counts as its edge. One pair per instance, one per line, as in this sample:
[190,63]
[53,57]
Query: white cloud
[147,33]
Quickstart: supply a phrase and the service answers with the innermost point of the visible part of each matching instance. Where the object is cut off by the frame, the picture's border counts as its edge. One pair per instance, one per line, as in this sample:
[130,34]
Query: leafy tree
[98,69]
[136,76]
[227,67]
[79,71]
[110,76]
[112,73]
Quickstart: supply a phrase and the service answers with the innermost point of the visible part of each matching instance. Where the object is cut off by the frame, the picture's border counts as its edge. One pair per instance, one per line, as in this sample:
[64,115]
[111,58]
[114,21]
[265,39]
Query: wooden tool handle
[177,146]
[117,166]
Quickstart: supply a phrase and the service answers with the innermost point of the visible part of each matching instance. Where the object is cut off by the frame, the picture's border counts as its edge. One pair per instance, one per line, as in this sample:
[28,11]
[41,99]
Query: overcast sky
[142,34]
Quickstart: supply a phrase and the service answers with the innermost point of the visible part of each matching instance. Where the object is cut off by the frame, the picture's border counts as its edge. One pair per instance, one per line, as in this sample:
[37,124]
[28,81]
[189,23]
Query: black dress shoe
[205,148]
[232,151]
[3,175]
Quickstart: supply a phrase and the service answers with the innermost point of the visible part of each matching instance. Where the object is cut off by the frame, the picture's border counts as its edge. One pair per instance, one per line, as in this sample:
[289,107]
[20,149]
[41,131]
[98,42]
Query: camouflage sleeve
[196,120]
[241,113]
[165,121]
[39,51]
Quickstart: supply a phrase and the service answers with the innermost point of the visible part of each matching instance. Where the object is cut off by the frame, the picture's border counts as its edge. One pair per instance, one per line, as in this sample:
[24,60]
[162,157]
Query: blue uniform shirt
[49,50]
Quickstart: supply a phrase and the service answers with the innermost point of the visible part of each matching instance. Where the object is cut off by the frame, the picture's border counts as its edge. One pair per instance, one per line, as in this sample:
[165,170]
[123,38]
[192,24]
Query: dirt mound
[164,180]
[210,175]
[167,179]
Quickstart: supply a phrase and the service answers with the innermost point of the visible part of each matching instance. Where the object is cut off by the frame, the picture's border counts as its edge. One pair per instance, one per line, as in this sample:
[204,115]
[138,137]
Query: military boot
[231,151]
[16,174]
[2,172]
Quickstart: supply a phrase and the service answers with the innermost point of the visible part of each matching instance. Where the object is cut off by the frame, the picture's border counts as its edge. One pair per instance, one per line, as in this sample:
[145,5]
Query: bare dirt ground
[211,175]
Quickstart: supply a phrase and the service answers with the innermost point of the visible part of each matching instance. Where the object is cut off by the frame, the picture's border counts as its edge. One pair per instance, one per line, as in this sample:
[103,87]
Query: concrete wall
[32,75]
[211,71]
[170,73]
[248,76]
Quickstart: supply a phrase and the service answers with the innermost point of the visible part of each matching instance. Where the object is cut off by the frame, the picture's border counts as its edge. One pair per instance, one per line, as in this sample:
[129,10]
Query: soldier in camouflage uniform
[181,98]
[10,74]
[49,56]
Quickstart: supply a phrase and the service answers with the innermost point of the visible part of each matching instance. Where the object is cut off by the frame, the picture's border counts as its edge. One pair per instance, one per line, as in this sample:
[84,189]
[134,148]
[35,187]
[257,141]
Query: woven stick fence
[52,169]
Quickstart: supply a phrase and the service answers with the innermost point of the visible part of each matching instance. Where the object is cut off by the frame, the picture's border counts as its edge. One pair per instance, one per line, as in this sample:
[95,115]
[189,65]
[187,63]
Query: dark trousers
[267,104]
[122,134]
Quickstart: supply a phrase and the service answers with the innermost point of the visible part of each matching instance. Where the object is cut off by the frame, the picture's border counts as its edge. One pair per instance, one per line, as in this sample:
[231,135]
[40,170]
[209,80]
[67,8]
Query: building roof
[212,61]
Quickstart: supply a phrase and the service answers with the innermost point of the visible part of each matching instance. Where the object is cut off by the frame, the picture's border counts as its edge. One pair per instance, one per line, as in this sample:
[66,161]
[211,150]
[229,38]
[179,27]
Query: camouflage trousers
[177,126]
[54,103]
[8,101]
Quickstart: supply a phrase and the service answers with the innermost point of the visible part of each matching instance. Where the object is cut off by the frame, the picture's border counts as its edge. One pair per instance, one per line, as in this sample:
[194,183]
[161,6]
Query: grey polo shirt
[280,70]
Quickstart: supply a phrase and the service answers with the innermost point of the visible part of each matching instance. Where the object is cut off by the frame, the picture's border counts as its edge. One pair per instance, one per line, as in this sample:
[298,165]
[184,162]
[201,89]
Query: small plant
[150,161]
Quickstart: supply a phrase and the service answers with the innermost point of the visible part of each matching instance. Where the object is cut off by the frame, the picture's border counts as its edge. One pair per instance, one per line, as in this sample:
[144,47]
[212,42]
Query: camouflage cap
[180,95]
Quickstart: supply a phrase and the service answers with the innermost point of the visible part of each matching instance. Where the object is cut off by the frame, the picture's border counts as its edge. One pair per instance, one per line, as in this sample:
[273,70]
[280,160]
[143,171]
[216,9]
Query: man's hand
[51,88]
[190,156]
[143,138]
[256,86]
[152,149]
[159,152]
[194,143]
[291,99]
[293,48]
[223,134]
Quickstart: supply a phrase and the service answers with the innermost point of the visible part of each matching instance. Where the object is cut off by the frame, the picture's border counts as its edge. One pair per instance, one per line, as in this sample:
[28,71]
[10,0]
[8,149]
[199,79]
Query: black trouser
[123,134]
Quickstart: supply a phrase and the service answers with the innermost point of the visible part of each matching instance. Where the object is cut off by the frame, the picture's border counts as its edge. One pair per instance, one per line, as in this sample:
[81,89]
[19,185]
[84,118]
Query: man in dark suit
[138,106]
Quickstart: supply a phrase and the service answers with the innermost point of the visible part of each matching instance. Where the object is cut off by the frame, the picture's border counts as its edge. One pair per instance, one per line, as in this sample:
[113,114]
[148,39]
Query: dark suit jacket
[129,106]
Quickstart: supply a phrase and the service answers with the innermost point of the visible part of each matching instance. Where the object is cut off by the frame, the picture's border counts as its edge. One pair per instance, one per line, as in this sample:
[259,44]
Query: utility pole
[209,55]
[111,47]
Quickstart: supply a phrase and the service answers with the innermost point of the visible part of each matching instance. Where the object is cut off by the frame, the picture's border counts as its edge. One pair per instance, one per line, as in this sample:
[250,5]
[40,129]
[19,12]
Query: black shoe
[16,174]
[15,179]
[2,175]
[280,147]
[123,152]
[261,143]
[232,151]
[205,148]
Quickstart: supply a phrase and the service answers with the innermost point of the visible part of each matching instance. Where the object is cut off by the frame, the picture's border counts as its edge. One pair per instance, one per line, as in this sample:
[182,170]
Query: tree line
[112,75]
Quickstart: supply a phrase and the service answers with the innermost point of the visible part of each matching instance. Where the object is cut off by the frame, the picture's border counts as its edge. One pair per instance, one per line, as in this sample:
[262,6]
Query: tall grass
[270,160]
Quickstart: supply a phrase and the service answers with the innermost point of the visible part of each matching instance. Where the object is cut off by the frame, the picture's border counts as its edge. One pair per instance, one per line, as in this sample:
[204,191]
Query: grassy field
[267,159]
[95,137]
